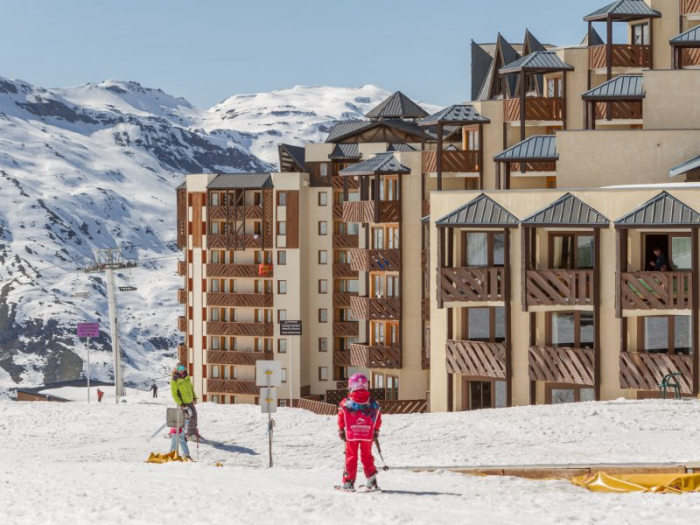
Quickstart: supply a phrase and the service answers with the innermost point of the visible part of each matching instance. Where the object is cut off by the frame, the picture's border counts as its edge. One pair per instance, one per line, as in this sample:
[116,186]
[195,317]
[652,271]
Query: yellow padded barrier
[674,483]
[164,458]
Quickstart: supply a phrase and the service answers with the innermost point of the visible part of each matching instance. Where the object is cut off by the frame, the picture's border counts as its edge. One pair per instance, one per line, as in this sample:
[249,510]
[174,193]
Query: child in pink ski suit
[359,421]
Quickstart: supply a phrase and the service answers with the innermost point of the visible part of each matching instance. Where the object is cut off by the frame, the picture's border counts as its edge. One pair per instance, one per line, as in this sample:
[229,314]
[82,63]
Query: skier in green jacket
[184,396]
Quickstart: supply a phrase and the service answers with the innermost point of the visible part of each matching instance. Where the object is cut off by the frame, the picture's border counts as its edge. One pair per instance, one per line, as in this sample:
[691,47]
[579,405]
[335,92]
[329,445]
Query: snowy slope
[96,166]
[85,465]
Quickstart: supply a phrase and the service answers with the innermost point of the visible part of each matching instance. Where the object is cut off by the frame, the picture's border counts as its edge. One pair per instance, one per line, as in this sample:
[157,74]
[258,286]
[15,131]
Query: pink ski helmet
[357,382]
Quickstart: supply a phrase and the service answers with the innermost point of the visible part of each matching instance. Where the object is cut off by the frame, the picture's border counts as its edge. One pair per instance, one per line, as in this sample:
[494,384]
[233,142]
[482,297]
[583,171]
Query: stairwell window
[284,375]
[281,346]
[322,198]
[322,315]
[322,257]
[282,258]
[322,228]
[281,227]
[214,228]
[282,198]
[281,315]
[281,287]
[322,286]
[323,373]
[323,344]
[215,372]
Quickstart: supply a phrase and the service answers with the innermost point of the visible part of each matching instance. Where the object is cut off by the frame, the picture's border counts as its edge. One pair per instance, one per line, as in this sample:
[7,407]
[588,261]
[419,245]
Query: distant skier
[184,396]
[100,395]
[177,434]
[359,421]
[154,389]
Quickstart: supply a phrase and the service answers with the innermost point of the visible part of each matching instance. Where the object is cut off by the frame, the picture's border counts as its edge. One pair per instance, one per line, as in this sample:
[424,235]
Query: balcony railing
[336,396]
[341,358]
[642,371]
[231,357]
[425,208]
[345,241]
[471,284]
[573,366]
[235,213]
[375,260]
[689,7]
[346,329]
[533,166]
[338,211]
[536,108]
[182,323]
[560,287]
[404,406]
[344,270]
[374,308]
[353,183]
[182,296]
[472,358]
[182,354]
[368,356]
[182,268]
[452,161]
[342,300]
[365,212]
[240,329]
[623,55]
[630,110]
[690,57]
[232,386]
[252,300]
[657,290]
[425,309]
[240,270]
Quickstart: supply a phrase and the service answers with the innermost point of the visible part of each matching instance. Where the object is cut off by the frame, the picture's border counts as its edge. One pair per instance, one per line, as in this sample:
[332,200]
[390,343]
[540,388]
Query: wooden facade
[234,210]
[560,287]
[476,359]
[452,161]
[232,386]
[344,241]
[370,212]
[250,300]
[346,329]
[376,308]
[644,371]
[240,329]
[657,290]
[623,55]
[240,270]
[367,356]
[575,366]
[536,108]
[232,357]
[471,284]
[375,260]
[627,110]
[689,7]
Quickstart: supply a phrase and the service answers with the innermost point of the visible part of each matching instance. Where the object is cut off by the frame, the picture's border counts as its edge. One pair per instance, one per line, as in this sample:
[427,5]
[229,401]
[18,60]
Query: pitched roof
[595,38]
[540,61]
[685,167]
[398,106]
[691,36]
[624,10]
[482,211]
[539,147]
[531,44]
[458,114]
[625,86]
[345,151]
[480,65]
[662,210]
[292,157]
[241,181]
[348,128]
[400,147]
[504,54]
[567,210]
[381,164]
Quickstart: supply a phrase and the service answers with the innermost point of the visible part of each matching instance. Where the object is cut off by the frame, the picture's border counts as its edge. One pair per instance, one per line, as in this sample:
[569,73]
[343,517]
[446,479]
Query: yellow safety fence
[621,483]
[165,458]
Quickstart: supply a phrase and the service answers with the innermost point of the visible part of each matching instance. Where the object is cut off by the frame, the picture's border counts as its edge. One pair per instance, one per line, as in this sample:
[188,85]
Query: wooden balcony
[336,396]
[338,211]
[375,308]
[425,309]
[182,323]
[182,354]
[476,359]
[317,407]
[452,161]
[344,270]
[425,208]
[353,183]
[515,167]
[375,260]
[689,7]
[231,386]
[237,213]
[231,242]
[642,371]
[623,55]
[346,329]
[182,296]
[404,406]
[573,366]
[344,241]
[627,110]
[229,357]
[365,212]
[342,300]
[240,270]
[560,288]
[367,356]
[252,300]
[690,56]
[657,291]
[341,358]
[536,108]
[240,329]
[471,284]
[182,268]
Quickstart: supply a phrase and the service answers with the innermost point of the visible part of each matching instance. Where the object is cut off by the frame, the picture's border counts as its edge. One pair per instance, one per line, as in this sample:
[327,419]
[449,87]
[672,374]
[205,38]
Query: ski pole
[157,431]
[379,449]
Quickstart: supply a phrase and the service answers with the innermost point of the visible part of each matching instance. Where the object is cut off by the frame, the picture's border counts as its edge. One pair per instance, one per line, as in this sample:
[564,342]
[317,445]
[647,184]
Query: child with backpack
[359,421]
[178,434]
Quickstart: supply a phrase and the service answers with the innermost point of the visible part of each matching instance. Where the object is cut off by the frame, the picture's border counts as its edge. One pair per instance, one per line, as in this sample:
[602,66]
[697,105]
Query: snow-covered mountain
[96,167]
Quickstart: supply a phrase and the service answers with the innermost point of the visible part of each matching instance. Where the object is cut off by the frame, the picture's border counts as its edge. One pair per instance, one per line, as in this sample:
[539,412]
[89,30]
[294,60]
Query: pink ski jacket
[359,416]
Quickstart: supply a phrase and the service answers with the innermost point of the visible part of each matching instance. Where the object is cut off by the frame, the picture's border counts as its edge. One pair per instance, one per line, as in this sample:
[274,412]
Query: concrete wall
[672,99]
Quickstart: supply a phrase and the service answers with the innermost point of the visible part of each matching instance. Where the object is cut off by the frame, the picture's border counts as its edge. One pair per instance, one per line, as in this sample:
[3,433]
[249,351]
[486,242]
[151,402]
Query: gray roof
[568,210]
[398,146]
[480,65]
[685,167]
[345,151]
[241,181]
[399,106]
[538,61]
[625,86]
[459,114]
[482,211]
[662,210]
[296,154]
[595,38]
[381,164]
[624,10]
[691,36]
[504,54]
[347,127]
[182,186]
[539,147]
[531,44]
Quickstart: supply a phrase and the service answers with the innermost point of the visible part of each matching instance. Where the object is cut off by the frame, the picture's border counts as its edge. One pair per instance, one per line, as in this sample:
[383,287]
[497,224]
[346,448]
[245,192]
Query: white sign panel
[265,370]
[268,400]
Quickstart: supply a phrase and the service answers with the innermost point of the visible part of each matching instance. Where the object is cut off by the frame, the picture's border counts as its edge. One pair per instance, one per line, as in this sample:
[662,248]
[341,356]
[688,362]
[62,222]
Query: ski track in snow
[84,464]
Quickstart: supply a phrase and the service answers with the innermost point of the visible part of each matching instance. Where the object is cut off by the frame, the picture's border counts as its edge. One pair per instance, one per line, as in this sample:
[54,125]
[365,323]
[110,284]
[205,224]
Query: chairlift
[128,288]
[80,294]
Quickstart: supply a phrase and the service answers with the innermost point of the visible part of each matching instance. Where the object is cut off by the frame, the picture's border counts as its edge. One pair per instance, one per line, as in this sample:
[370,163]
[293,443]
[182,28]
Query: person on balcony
[659,264]
[183,394]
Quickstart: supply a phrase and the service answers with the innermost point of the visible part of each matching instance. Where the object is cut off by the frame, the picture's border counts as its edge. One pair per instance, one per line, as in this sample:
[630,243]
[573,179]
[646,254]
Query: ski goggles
[181,368]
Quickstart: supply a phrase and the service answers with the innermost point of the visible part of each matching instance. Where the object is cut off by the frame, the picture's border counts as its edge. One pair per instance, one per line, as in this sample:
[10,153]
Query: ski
[342,489]
[364,488]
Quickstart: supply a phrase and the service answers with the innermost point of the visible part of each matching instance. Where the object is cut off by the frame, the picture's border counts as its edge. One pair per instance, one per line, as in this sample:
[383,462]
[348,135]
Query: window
[556,394]
[640,34]
[281,346]
[385,238]
[392,388]
[384,285]
[281,227]
[323,344]
[480,249]
[214,398]
[214,199]
[322,315]
[484,324]
[323,373]
[323,198]
[215,372]
[214,343]
[214,228]
[571,251]
[671,334]
[570,329]
[281,315]
[322,257]
[214,314]
[214,256]
[281,258]
[282,198]
[322,228]
[478,395]
[324,169]
[282,287]
[214,286]
[385,333]
[322,286]
[284,375]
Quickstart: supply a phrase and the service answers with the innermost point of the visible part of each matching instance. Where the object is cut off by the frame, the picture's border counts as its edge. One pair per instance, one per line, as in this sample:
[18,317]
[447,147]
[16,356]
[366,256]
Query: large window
[477,395]
[385,237]
[485,325]
[640,34]
[384,333]
[570,329]
[385,285]
[482,249]
[571,251]
[670,334]
[556,394]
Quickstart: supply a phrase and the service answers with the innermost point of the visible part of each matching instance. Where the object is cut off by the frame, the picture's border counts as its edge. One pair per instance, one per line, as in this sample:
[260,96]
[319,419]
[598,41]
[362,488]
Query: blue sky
[207,50]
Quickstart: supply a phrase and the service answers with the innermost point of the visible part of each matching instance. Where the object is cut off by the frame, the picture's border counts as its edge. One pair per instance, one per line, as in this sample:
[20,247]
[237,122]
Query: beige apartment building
[353,236]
